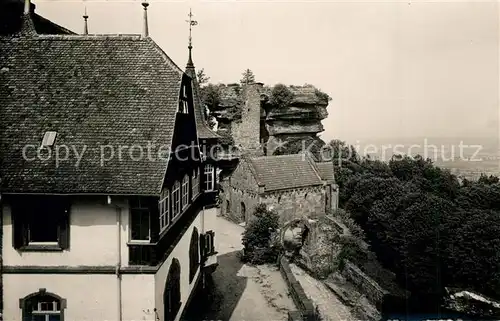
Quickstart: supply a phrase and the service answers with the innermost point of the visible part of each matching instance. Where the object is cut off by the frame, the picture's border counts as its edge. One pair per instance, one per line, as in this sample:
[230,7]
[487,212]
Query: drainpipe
[118,259]
[202,265]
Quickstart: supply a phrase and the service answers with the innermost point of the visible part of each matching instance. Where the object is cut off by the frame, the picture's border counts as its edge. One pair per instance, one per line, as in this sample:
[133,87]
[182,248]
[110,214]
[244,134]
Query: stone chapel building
[295,186]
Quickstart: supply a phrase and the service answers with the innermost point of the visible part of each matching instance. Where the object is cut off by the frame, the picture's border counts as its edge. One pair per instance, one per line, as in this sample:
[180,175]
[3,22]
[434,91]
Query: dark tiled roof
[93,91]
[204,132]
[285,171]
[326,170]
[11,16]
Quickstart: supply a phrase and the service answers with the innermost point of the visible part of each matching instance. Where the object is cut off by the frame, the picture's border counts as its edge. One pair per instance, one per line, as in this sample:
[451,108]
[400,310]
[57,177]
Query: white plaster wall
[210,224]
[181,252]
[93,238]
[89,297]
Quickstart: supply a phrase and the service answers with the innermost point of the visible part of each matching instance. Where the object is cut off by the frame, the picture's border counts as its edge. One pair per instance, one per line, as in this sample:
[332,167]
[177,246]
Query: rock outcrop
[276,120]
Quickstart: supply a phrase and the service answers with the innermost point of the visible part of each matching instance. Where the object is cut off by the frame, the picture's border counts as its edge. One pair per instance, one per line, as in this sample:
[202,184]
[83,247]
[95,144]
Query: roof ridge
[277,156]
[167,59]
[313,165]
[253,170]
[91,37]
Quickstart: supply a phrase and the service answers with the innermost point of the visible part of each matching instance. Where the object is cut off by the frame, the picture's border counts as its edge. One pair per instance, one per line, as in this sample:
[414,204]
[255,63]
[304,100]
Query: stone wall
[246,132]
[303,303]
[374,292]
[240,188]
[297,203]
[319,253]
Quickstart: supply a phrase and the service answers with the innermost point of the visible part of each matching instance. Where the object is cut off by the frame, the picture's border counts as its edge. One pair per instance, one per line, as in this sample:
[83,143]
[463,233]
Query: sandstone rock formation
[280,119]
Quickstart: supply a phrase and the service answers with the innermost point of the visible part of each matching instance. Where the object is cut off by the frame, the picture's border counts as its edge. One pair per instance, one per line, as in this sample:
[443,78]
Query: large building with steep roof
[295,186]
[106,213]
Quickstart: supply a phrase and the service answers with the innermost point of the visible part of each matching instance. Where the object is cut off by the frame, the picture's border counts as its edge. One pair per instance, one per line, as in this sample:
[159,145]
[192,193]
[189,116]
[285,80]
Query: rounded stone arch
[194,254]
[302,223]
[172,291]
[30,302]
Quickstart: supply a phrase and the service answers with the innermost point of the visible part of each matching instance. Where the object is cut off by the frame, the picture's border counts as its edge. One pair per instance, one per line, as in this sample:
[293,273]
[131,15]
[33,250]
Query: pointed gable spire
[145,30]
[190,45]
[85,24]
[27,27]
[204,132]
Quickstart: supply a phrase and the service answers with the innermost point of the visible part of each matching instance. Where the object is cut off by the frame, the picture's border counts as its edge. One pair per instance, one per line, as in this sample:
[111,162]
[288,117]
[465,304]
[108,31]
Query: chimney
[145,31]
[27,7]
[27,27]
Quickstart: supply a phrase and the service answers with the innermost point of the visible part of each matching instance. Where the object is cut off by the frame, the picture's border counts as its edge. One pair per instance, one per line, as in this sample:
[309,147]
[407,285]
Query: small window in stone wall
[305,196]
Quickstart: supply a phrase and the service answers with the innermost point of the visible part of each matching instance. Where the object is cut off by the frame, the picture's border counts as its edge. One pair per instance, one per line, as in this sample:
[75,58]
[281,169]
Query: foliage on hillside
[422,224]
[258,237]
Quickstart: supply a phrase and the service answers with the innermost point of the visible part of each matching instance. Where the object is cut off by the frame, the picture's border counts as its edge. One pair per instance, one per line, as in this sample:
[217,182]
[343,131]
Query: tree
[211,96]
[340,152]
[248,77]
[258,234]
[202,77]
[423,225]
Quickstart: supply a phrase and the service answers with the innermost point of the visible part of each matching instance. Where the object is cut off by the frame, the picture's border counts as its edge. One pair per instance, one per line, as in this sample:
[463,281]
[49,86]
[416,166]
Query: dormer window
[183,104]
[49,138]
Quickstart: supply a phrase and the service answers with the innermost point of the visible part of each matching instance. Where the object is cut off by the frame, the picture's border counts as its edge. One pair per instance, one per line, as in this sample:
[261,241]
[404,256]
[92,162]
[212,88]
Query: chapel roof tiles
[326,170]
[285,171]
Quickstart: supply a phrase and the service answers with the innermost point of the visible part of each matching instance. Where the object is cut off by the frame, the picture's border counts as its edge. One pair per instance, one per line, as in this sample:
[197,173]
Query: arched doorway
[194,254]
[243,211]
[172,292]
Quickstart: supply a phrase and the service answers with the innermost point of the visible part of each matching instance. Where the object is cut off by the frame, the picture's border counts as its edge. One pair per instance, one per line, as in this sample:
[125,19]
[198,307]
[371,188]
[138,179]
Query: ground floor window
[42,306]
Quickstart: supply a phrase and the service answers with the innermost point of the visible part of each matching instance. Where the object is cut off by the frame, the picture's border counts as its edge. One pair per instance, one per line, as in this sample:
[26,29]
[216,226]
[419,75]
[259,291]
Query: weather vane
[191,24]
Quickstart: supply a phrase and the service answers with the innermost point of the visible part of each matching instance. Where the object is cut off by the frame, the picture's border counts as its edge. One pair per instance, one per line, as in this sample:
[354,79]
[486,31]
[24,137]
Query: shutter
[212,243]
[64,225]
[202,247]
[20,230]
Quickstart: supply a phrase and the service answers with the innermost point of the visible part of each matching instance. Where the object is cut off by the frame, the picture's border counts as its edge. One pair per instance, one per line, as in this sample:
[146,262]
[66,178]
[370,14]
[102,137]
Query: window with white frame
[176,199]
[209,177]
[196,182]
[185,191]
[164,205]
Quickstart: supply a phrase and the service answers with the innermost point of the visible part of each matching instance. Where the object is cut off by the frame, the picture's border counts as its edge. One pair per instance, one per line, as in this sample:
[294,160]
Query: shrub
[322,96]
[258,244]
[281,96]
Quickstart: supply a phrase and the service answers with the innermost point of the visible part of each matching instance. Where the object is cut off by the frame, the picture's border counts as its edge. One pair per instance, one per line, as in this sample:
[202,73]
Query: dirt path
[330,307]
[241,292]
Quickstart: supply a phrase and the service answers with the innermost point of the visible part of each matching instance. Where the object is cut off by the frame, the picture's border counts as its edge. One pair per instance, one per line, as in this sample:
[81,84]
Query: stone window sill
[41,248]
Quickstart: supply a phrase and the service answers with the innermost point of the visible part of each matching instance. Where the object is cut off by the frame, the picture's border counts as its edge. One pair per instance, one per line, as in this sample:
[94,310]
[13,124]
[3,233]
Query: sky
[394,69]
